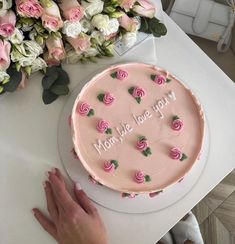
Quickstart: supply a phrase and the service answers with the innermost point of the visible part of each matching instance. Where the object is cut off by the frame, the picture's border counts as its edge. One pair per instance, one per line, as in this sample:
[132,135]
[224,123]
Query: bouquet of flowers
[41,35]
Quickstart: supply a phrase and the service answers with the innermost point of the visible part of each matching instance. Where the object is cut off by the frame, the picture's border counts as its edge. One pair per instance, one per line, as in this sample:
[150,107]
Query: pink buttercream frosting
[139,177]
[175,153]
[177,124]
[83,109]
[138,92]
[109,167]
[122,74]
[102,126]
[142,145]
[108,98]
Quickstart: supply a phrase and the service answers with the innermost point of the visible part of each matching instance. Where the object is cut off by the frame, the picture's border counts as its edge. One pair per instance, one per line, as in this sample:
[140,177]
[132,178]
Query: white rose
[100,21]
[3,76]
[4,6]
[72,29]
[91,52]
[33,34]
[32,47]
[38,64]
[17,37]
[129,39]
[112,27]
[98,36]
[93,7]
[26,61]
[86,25]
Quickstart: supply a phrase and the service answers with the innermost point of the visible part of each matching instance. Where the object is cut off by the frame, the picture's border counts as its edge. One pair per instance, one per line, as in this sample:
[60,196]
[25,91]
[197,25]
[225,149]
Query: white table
[28,148]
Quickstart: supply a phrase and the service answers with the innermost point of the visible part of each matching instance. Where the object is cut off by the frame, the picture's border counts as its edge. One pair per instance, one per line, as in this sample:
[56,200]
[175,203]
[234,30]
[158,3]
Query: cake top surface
[136,128]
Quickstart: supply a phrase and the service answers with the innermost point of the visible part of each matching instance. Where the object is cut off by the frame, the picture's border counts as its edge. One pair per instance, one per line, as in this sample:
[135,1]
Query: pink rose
[109,167]
[122,74]
[127,4]
[145,8]
[5,61]
[160,79]
[175,153]
[129,24]
[139,177]
[29,8]
[83,109]
[142,145]
[80,43]
[7,24]
[102,126]
[177,125]
[72,10]
[138,92]
[51,18]
[108,99]
[50,61]
[24,81]
[55,48]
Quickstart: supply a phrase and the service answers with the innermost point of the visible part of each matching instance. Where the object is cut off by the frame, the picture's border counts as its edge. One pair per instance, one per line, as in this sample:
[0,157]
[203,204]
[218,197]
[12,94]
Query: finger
[45,222]
[57,172]
[60,192]
[51,203]
[83,200]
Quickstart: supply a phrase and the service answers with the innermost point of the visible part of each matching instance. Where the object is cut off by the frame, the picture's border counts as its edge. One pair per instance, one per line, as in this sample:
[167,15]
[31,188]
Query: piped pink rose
[142,146]
[55,48]
[140,177]
[103,127]
[137,92]
[176,154]
[7,24]
[51,18]
[5,48]
[177,124]
[120,74]
[110,166]
[145,8]
[84,109]
[29,8]
[107,98]
[72,10]
[160,79]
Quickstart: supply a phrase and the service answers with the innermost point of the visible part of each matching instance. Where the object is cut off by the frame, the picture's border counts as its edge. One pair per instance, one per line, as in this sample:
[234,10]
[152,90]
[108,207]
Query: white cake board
[109,198]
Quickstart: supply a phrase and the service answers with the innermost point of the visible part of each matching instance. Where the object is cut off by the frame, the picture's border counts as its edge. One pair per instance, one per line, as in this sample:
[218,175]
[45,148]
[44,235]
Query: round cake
[136,128]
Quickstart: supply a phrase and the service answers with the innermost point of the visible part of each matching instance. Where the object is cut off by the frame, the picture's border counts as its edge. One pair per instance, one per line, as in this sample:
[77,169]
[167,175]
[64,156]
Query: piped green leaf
[108,131]
[142,138]
[115,162]
[131,90]
[153,77]
[168,80]
[114,75]
[147,178]
[184,156]
[138,99]
[100,97]
[91,113]
[175,117]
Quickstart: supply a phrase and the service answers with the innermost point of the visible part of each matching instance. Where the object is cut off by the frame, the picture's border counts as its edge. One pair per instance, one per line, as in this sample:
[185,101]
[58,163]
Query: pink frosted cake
[136,128]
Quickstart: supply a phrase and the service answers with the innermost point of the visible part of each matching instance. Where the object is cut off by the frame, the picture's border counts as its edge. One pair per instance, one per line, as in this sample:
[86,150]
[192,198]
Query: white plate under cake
[136,128]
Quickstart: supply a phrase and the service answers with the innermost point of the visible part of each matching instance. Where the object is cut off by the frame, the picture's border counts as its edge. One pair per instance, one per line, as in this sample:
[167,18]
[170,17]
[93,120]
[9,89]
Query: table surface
[28,148]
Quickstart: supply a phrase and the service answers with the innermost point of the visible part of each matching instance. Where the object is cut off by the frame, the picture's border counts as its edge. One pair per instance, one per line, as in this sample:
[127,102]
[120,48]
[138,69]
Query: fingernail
[47,173]
[78,186]
[33,211]
[53,170]
[44,184]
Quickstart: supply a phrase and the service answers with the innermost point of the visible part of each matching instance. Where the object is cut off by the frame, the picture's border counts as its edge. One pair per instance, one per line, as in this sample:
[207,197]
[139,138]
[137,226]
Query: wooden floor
[216,213]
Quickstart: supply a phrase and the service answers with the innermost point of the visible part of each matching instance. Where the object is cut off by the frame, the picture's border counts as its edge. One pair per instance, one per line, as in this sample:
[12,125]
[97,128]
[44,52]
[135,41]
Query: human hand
[72,222]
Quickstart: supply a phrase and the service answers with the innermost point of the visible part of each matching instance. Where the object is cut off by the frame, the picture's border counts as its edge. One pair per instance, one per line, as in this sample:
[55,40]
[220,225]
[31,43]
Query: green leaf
[100,97]
[147,178]
[49,78]
[49,97]
[63,78]
[1,89]
[114,75]
[91,113]
[115,162]
[157,29]
[109,131]
[175,117]
[130,90]
[142,138]
[15,79]
[138,99]
[59,90]
[145,153]
[144,25]
[184,156]
[168,80]
[153,77]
